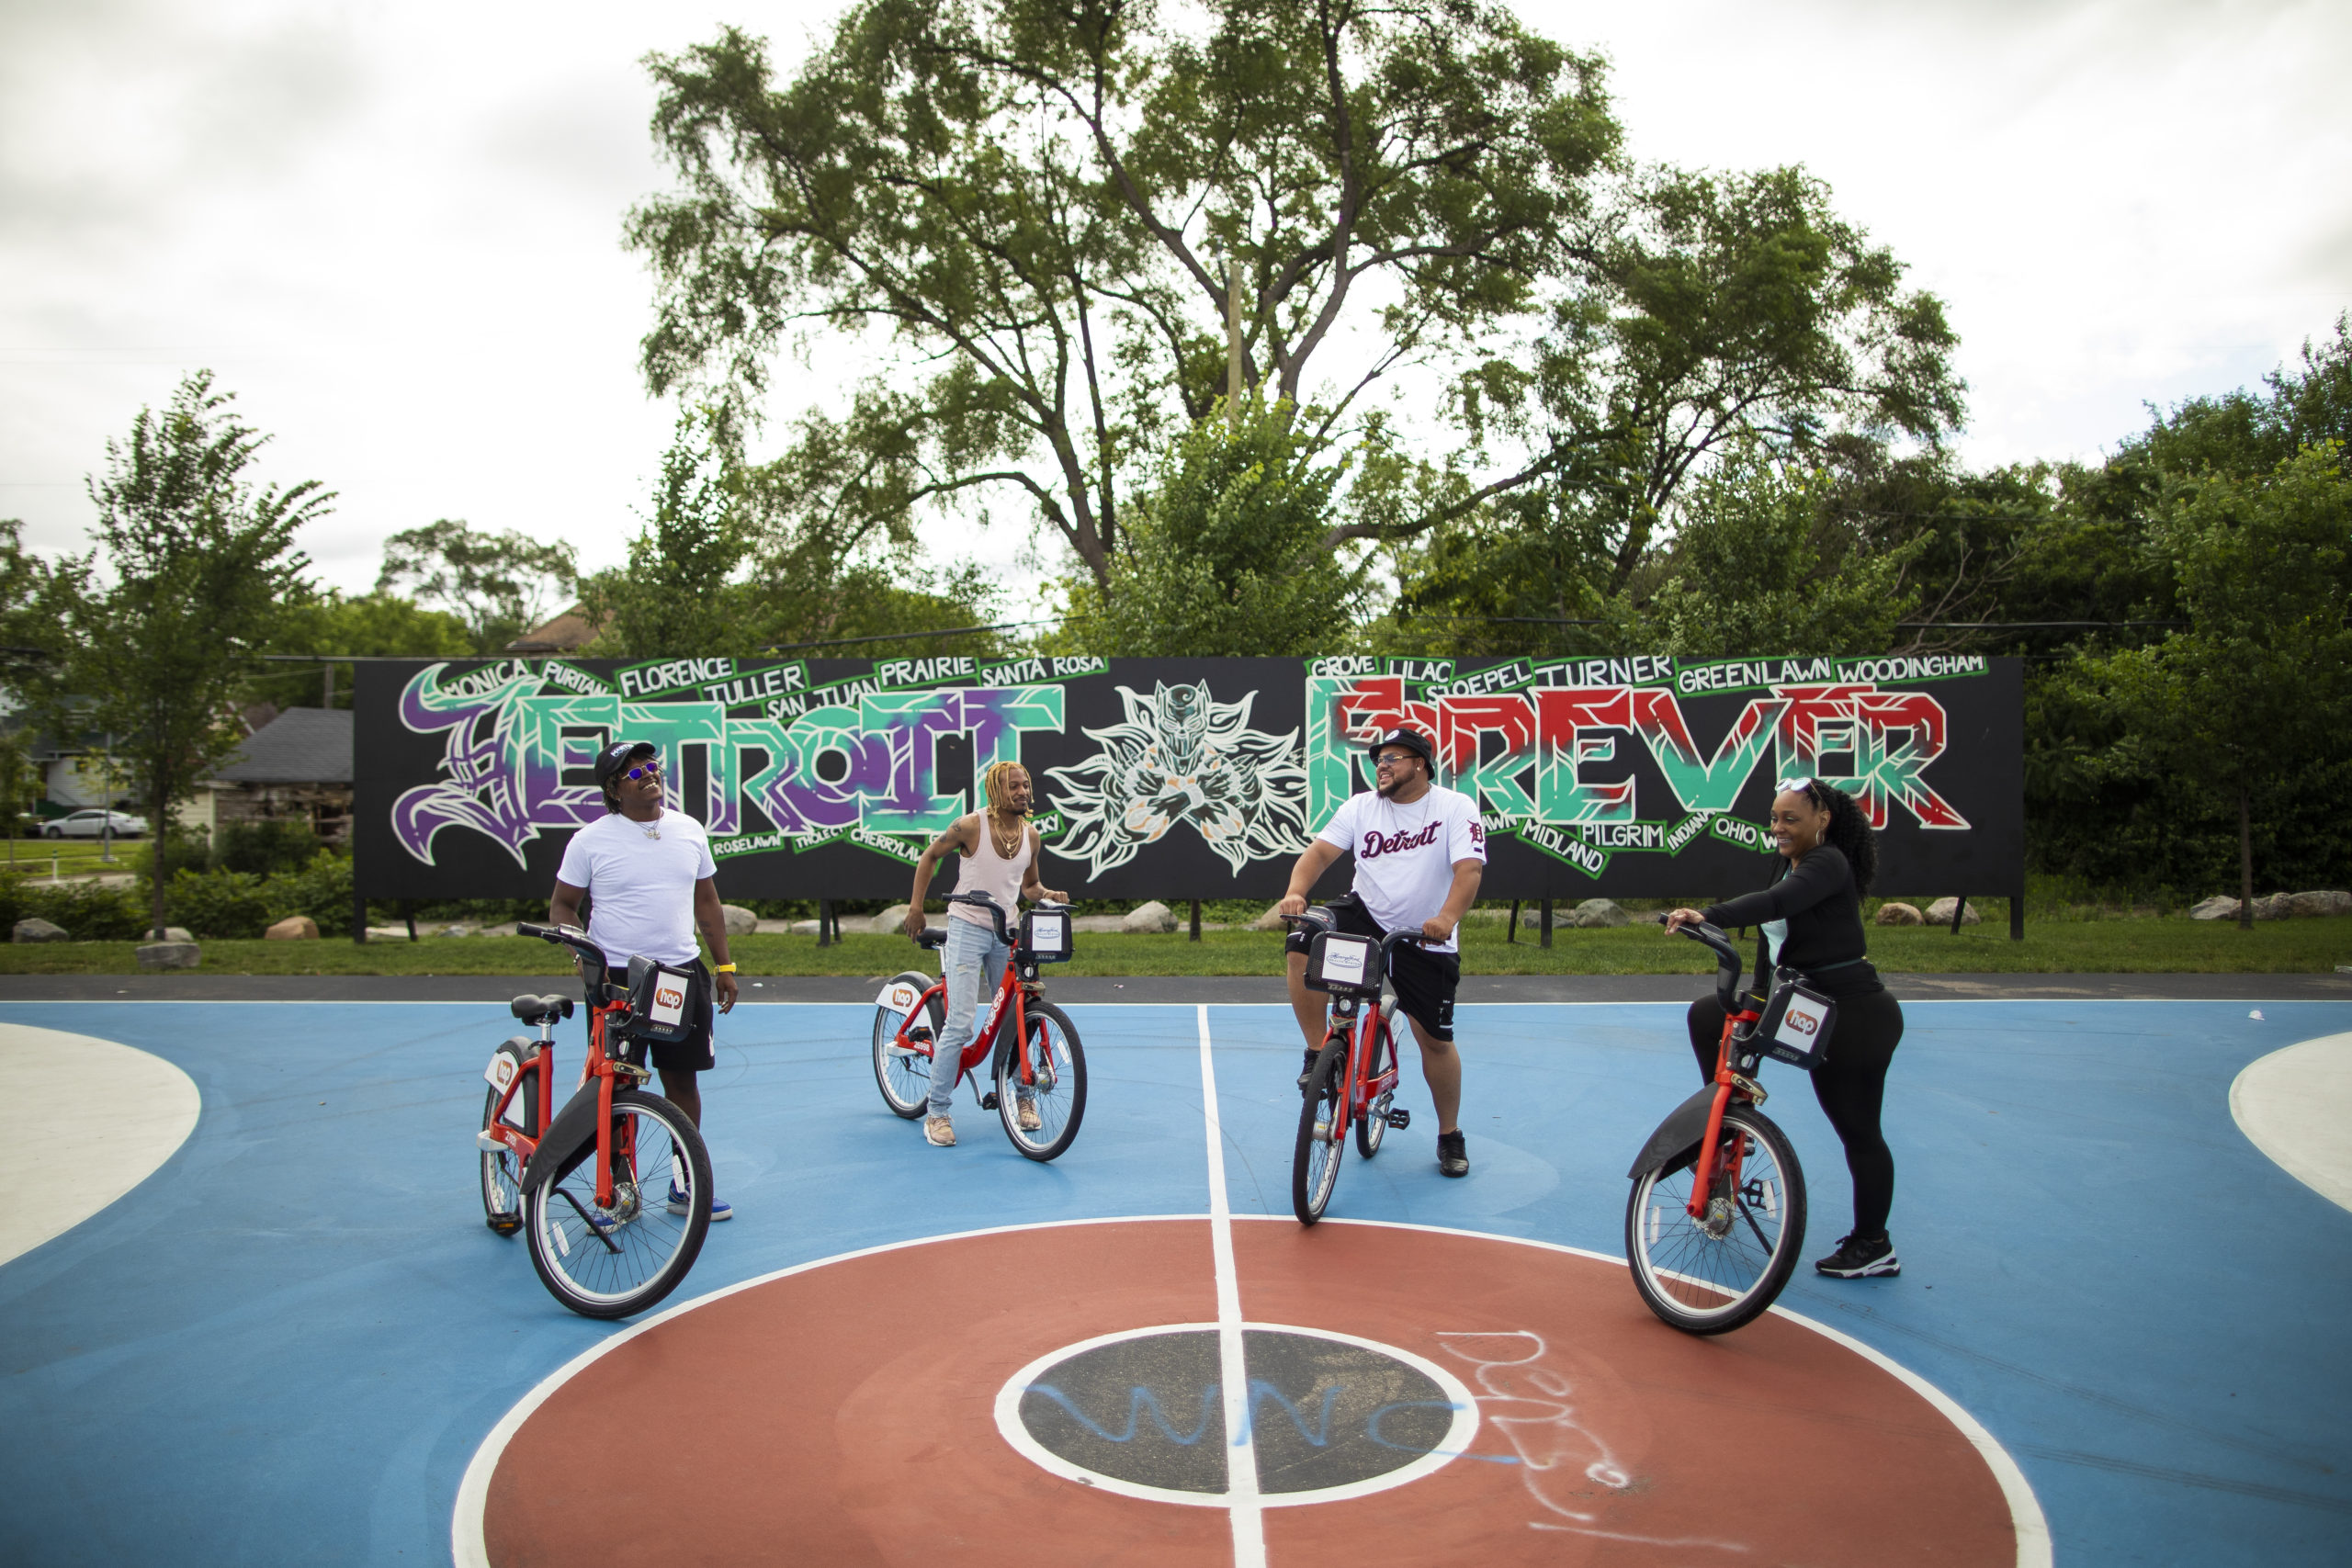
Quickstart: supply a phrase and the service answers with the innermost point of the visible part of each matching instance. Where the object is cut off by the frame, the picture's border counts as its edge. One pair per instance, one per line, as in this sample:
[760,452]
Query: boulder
[1271,920]
[739,920]
[171,933]
[2274,907]
[1152,917]
[2310,904]
[1939,913]
[458,928]
[387,933]
[891,921]
[37,930]
[1097,925]
[169,955]
[1901,915]
[1599,912]
[293,928]
[2217,908]
[506,929]
[804,928]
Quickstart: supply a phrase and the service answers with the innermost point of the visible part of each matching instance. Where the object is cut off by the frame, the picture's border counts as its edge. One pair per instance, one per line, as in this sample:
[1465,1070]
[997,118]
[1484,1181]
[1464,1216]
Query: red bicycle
[1716,1216]
[1353,1080]
[1038,1067]
[588,1192]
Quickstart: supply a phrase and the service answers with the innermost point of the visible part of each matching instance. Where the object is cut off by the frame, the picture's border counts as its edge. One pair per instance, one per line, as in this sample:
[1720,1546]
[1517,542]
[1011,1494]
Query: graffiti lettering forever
[1578,762]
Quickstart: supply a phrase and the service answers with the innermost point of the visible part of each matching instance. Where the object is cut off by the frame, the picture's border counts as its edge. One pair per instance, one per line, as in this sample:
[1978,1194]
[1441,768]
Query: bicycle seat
[530,1010]
[932,937]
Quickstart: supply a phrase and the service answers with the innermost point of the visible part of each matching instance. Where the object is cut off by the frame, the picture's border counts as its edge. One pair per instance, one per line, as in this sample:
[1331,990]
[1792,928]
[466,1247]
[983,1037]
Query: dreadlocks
[997,784]
[1849,829]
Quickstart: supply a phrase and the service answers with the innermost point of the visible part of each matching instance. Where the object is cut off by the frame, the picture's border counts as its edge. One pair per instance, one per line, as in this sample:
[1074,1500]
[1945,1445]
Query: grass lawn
[2116,946]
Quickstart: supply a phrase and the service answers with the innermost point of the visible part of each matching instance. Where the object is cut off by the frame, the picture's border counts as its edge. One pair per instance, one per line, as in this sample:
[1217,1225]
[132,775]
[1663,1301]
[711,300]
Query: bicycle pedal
[490,1144]
[918,1036]
[1400,1120]
[987,1102]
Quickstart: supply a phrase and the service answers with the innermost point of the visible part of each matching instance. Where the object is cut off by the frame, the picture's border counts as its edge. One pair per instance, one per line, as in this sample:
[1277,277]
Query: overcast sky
[392,229]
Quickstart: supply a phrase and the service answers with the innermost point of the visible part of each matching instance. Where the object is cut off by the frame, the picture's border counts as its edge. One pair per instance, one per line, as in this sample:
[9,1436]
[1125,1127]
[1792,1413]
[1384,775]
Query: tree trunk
[2245,863]
[155,833]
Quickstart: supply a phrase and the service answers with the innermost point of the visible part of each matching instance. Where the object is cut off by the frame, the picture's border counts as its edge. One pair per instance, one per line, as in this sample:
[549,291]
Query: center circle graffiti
[1056,1395]
[1325,1414]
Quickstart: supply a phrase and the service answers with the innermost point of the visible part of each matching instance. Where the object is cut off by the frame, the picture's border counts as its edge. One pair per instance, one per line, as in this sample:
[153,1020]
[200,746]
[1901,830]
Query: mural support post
[1959,908]
[1196,919]
[358,916]
[1512,934]
[1547,918]
[2016,913]
[824,923]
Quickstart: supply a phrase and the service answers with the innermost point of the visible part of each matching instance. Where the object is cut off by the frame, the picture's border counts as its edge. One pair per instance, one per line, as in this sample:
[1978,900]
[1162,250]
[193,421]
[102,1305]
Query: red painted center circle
[844,1413]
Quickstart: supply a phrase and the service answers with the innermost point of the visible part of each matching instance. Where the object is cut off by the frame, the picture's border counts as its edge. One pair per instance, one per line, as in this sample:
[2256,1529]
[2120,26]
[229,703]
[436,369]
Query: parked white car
[93,825]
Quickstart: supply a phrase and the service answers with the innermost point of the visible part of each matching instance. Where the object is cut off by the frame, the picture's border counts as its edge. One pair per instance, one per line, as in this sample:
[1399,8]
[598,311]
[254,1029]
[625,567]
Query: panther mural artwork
[1188,778]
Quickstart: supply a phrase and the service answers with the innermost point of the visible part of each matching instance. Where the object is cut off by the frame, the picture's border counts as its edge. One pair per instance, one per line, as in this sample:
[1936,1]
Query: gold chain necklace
[1006,851]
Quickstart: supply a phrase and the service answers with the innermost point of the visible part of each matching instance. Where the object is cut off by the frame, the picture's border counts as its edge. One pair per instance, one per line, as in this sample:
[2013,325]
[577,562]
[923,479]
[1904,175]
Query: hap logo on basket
[669,1000]
[1801,1022]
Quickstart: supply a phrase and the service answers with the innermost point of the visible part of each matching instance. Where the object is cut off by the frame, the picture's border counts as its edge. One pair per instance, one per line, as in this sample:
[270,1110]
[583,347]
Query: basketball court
[253,1314]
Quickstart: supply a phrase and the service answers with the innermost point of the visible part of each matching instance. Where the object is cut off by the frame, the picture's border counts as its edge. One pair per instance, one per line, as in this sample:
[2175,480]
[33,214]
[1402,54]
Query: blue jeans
[972,961]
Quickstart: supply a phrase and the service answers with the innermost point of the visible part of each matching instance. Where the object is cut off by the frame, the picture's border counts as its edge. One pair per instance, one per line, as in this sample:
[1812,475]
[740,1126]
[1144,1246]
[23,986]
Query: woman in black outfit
[1810,920]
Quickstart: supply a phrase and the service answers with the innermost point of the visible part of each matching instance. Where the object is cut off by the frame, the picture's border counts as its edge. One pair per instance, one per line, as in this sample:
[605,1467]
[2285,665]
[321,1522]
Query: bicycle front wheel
[1055,1099]
[612,1261]
[502,1198]
[1315,1160]
[1380,1029]
[904,1075]
[1712,1274]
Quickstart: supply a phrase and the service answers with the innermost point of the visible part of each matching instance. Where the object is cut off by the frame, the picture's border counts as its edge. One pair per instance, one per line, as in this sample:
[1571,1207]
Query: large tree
[500,585]
[191,562]
[1044,216]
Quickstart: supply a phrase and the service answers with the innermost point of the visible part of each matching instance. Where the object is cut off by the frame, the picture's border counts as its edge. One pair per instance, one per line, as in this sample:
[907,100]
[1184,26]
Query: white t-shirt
[1404,854]
[641,876]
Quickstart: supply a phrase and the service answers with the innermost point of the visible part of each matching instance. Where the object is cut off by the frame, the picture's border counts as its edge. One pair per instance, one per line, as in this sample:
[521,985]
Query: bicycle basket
[1045,936]
[1797,1022]
[1343,963]
[661,1000]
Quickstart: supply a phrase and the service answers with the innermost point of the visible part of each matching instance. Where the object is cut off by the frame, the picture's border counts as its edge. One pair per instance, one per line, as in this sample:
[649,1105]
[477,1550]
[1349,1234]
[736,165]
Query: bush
[225,904]
[273,845]
[321,889]
[87,911]
[181,846]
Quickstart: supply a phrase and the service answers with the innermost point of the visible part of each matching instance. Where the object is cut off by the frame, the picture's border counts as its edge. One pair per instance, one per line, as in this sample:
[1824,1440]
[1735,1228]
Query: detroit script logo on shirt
[1374,845]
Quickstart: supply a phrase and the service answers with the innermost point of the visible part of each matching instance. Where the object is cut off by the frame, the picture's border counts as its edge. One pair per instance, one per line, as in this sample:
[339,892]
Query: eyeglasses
[1393,759]
[643,770]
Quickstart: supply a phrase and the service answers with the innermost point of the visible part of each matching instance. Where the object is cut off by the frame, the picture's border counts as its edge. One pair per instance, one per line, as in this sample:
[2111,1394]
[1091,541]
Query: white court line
[1233,1364]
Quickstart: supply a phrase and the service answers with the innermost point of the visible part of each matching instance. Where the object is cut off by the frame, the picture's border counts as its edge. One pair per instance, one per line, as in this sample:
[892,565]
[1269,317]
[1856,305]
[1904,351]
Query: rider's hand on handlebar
[1291,904]
[1437,929]
[1047,896]
[1677,918]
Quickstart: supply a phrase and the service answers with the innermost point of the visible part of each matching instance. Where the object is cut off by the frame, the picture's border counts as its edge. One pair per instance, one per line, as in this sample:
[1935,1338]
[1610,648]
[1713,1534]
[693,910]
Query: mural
[1187,778]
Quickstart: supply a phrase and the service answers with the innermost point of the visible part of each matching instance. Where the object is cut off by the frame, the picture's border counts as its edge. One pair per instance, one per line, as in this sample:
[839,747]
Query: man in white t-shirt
[647,874]
[1419,853]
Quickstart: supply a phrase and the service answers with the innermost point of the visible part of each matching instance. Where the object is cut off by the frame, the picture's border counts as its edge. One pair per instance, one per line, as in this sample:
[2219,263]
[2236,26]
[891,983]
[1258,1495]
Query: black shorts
[1425,981]
[695,1053]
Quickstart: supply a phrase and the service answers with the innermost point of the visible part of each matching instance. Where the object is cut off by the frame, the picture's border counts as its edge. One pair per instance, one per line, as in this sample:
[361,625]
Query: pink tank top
[985,870]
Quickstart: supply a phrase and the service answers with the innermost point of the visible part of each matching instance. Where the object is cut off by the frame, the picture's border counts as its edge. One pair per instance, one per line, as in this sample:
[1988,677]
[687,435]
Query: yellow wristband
[723,969]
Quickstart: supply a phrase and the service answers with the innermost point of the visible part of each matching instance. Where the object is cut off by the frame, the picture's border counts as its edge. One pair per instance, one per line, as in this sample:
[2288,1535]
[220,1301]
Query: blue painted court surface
[285,1347]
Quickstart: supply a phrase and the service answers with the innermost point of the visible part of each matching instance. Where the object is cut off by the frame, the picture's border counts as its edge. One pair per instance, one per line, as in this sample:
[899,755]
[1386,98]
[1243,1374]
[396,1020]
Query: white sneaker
[939,1131]
[1025,1113]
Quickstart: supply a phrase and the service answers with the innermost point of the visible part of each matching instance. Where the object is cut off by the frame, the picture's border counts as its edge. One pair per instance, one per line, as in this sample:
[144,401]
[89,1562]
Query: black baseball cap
[619,755]
[1411,740]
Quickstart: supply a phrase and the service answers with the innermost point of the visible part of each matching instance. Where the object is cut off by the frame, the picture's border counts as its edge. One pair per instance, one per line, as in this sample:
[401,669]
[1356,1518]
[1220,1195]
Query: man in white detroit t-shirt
[648,872]
[1419,853]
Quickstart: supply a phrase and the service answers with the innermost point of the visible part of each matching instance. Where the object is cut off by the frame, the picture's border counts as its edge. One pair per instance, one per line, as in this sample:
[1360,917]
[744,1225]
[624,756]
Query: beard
[1388,791]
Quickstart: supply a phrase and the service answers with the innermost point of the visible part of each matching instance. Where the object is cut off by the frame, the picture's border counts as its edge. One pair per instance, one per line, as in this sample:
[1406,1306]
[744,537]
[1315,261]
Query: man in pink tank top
[998,856]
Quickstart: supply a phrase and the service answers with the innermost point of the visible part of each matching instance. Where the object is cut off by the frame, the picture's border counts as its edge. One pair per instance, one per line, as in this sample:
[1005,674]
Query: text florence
[1373,844]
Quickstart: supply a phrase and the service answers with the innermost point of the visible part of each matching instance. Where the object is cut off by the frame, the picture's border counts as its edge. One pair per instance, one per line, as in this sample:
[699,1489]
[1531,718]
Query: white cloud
[394,229]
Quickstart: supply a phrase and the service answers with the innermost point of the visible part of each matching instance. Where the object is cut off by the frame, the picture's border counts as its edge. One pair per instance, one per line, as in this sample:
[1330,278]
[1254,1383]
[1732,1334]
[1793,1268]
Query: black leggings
[1849,1085]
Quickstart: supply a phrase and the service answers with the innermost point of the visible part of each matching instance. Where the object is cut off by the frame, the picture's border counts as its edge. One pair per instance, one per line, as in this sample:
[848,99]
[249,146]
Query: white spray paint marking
[1537,1413]
[1233,1367]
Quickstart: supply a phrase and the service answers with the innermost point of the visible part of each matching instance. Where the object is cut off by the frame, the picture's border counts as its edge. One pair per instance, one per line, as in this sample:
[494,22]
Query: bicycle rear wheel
[502,1199]
[1056,1096]
[1314,1160]
[1374,1125]
[1711,1274]
[903,1075]
[611,1262]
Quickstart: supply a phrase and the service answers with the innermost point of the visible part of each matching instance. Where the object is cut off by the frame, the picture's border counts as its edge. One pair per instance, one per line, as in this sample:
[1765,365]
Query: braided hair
[1849,829]
[997,784]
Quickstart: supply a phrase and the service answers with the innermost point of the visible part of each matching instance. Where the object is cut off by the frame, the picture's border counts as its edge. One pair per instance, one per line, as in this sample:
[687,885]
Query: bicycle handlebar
[1728,962]
[996,912]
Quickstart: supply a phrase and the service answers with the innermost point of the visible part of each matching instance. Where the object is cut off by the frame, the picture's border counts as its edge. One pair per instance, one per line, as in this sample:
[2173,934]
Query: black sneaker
[1452,1157]
[1858,1259]
[1307,1073]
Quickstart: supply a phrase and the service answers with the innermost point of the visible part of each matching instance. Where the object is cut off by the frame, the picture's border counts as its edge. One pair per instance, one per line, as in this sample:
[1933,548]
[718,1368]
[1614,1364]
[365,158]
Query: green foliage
[498,585]
[191,564]
[321,889]
[218,903]
[261,848]
[85,911]
[379,625]
[1225,554]
[1755,568]
[178,844]
[20,784]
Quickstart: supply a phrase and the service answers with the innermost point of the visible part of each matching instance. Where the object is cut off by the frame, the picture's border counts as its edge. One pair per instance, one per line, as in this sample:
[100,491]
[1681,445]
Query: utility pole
[1233,344]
